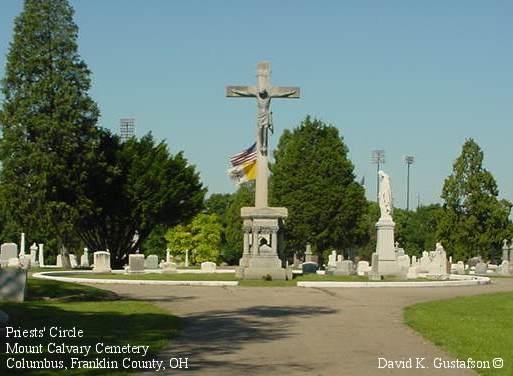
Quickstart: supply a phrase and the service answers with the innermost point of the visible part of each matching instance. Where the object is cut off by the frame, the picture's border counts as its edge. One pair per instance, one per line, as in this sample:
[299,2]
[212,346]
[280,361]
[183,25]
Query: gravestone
[8,251]
[309,267]
[412,272]
[481,268]
[460,268]
[169,267]
[41,257]
[151,262]
[208,267]
[362,268]
[101,262]
[308,253]
[332,261]
[84,259]
[33,255]
[438,261]
[59,261]
[13,282]
[73,261]
[135,263]
[404,263]
[168,255]
[345,267]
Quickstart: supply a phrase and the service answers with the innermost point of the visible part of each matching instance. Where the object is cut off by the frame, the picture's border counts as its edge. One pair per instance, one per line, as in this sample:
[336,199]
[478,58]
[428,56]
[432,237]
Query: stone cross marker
[263,92]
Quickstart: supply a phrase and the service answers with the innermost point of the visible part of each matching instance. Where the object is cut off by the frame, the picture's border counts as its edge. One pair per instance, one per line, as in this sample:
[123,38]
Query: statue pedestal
[385,248]
[260,251]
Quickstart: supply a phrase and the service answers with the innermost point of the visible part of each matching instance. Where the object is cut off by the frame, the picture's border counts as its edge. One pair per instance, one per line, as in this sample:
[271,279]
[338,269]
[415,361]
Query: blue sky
[409,77]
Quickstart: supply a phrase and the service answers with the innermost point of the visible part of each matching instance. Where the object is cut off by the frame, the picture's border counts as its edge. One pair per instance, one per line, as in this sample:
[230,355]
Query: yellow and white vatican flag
[243,165]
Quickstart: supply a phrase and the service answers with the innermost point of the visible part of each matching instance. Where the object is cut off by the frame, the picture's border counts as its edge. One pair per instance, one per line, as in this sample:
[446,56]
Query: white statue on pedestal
[386,203]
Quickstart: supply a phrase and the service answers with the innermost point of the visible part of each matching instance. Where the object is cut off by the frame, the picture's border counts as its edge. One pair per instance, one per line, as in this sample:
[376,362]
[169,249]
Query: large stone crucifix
[263,92]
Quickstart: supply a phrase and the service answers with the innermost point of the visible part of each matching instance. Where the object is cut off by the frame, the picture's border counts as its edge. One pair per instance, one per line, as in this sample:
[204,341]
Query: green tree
[202,237]
[472,220]
[218,203]
[142,186]
[313,177]
[245,196]
[416,230]
[48,122]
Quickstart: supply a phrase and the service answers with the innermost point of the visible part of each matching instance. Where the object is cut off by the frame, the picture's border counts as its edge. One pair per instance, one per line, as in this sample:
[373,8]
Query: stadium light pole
[378,158]
[409,159]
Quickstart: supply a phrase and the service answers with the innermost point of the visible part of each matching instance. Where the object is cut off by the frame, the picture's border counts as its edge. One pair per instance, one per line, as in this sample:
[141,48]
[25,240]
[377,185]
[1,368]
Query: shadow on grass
[211,334]
[41,289]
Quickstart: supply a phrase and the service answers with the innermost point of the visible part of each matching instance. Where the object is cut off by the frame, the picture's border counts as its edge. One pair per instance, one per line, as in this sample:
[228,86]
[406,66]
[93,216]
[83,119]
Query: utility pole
[409,159]
[378,158]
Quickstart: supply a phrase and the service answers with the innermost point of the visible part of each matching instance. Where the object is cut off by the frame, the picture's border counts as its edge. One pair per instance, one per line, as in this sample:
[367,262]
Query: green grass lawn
[479,327]
[100,314]
[232,277]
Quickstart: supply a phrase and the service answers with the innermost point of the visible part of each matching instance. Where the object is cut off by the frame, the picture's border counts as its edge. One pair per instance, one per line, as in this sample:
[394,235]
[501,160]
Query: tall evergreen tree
[48,122]
[472,220]
[313,177]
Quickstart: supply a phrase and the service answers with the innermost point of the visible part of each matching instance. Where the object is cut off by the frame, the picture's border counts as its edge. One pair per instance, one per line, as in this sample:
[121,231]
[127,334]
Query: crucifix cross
[263,92]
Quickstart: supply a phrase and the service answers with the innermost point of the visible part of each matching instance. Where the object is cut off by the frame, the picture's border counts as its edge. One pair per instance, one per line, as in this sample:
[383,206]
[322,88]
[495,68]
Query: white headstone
[59,261]
[73,261]
[135,263]
[404,263]
[308,253]
[33,254]
[84,259]
[332,259]
[345,267]
[168,255]
[151,262]
[186,258]
[362,268]
[169,267]
[101,262]
[8,251]
[41,257]
[209,267]
[481,268]
[412,272]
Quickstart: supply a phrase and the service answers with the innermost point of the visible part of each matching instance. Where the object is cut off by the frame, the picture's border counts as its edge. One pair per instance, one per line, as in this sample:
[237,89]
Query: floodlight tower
[378,158]
[409,159]
[126,129]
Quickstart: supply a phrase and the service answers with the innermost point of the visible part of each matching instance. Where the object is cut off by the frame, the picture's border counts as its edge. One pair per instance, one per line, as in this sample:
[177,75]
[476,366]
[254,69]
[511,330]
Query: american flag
[244,156]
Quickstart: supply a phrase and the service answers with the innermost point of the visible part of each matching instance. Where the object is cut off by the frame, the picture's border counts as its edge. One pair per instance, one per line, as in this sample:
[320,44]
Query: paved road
[298,331]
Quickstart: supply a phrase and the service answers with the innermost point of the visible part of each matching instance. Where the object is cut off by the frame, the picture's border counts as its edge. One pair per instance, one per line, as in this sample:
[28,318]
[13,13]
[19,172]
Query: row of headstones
[434,262]
[9,256]
[138,263]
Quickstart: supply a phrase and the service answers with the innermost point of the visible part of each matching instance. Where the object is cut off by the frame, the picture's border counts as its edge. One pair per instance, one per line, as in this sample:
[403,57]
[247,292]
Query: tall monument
[385,247]
[261,223]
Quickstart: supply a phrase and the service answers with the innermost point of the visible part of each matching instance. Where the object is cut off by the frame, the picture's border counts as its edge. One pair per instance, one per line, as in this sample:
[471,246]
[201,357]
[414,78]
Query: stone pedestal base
[385,248]
[260,255]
